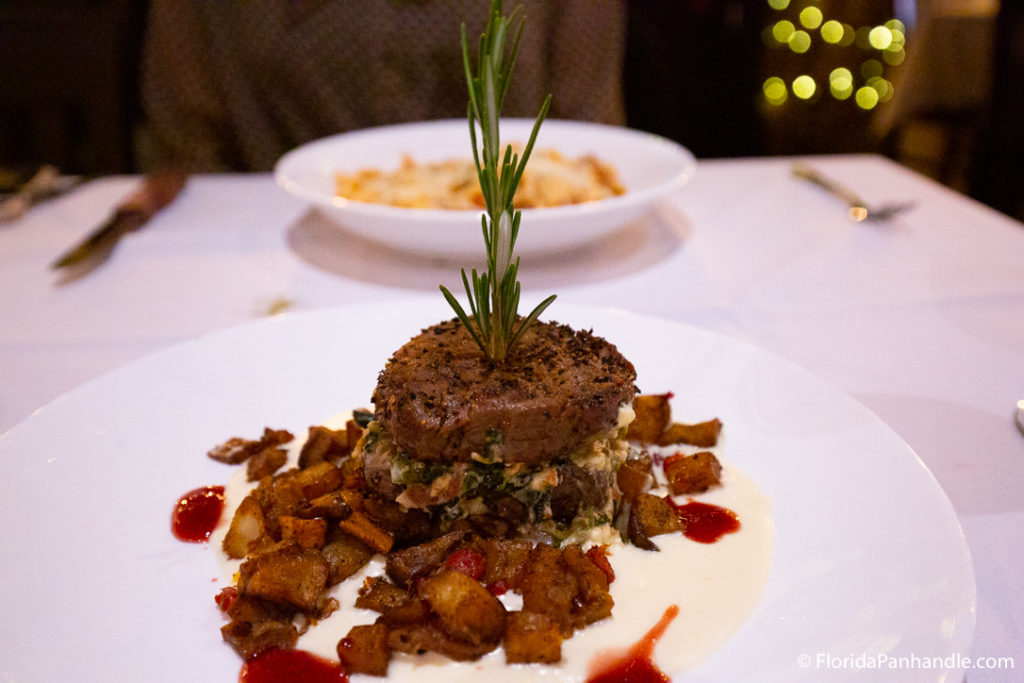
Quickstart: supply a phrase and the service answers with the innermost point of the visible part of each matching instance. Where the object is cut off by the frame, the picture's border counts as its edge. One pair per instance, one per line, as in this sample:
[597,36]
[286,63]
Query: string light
[810,17]
[880,37]
[804,87]
[802,26]
[866,97]
[832,32]
[782,30]
[840,83]
[775,90]
[799,42]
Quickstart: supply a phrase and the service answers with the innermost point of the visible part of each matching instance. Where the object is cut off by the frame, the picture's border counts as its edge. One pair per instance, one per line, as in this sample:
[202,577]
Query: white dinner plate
[869,557]
[649,166]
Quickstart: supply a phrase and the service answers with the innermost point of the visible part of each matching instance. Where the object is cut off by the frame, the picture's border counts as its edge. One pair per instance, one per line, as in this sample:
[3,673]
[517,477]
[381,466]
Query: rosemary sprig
[494,295]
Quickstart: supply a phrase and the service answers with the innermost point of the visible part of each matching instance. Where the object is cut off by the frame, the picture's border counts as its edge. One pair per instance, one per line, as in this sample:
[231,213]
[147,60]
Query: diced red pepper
[226,597]
[467,561]
[598,554]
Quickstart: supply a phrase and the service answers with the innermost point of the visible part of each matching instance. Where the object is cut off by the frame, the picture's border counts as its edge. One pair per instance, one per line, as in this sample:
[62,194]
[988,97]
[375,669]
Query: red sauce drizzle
[704,522]
[197,513]
[293,666]
[637,664]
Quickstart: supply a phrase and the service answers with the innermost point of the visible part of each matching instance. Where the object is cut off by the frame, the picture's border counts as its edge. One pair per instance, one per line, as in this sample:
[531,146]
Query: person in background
[229,86]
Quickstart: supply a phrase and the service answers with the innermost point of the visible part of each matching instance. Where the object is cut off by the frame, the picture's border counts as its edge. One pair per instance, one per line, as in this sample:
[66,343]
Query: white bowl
[648,166]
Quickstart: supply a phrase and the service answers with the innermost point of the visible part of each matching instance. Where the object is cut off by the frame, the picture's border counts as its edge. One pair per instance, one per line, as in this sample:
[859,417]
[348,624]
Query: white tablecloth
[921,319]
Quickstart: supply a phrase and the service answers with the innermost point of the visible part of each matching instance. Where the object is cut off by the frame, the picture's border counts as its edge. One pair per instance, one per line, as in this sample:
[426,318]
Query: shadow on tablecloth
[324,244]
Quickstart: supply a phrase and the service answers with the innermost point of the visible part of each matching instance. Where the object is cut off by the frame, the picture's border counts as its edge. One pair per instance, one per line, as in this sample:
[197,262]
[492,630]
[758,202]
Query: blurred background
[933,84]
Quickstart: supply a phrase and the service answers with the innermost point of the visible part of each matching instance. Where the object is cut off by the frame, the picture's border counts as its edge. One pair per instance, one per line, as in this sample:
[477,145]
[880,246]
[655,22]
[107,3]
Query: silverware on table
[859,209]
[45,183]
[157,191]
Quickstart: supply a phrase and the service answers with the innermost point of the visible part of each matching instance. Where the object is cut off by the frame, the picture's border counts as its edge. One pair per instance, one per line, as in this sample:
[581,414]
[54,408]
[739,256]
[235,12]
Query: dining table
[920,318]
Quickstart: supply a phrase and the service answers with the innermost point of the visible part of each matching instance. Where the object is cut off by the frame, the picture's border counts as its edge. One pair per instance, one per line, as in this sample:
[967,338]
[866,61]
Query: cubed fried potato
[265,462]
[252,610]
[634,477]
[331,505]
[531,638]
[236,450]
[353,432]
[247,528]
[593,602]
[323,445]
[288,575]
[655,514]
[692,473]
[380,595]
[352,476]
[359,525]
[325,606]
[702,434]
[412,612]
[423,637]
[650,516]
[279,495]
[642,462]
[307,533]
[548,587]
[365,650]
[251,638]
[318,479]
[465,609]
[504,560]
[406,565]
[345,556]
[653,413]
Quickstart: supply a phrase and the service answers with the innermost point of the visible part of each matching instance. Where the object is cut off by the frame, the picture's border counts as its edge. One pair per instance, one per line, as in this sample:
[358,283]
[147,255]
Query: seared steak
[441,399]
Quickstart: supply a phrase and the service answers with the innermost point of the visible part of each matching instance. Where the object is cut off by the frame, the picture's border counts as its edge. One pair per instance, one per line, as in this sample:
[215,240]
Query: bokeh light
[799,42]
[840,83]
[866,97]
[832,32]
[896,26]
[782,30]
[778,4]
[871,68]
[882,87]
[810,17]
[894,58]
[880,37]
[899,39]
[849,36]
[861,37]
[804,87]
[775,90]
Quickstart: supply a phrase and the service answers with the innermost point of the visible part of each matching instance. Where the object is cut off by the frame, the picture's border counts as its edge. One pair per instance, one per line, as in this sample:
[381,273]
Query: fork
[859,209]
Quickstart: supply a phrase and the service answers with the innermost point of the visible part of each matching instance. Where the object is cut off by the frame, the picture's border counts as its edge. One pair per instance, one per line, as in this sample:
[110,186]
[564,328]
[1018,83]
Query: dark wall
[692,73]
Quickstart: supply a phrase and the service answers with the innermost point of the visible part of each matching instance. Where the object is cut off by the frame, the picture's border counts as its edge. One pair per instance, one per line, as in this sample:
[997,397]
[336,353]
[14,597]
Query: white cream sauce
[716,587]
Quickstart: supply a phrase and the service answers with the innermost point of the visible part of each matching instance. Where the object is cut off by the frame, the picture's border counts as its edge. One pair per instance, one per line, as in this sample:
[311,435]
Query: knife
[157,191]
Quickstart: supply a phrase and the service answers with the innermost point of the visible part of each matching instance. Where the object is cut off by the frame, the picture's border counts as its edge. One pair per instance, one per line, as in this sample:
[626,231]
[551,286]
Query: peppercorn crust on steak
[534,441]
